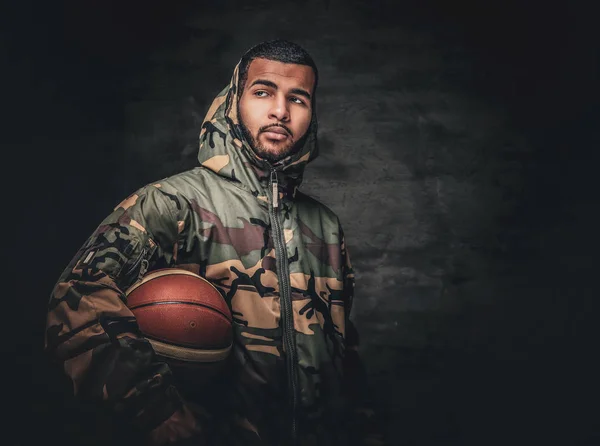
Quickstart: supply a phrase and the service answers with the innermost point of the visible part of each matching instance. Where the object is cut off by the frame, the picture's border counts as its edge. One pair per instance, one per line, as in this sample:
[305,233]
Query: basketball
[184,317]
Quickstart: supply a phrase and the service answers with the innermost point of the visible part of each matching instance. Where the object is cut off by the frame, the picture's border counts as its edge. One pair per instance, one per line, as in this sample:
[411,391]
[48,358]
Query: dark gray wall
[457,148]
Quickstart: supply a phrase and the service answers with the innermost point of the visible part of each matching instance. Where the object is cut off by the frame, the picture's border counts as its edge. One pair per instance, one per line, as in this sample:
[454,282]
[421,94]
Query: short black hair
[278,50]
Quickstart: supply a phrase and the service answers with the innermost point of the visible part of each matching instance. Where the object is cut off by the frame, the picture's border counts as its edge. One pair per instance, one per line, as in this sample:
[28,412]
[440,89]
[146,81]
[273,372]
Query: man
[278,257]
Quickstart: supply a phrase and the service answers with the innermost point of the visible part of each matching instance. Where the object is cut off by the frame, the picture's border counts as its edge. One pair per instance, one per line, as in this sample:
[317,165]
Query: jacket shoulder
[187,184]
[191,178]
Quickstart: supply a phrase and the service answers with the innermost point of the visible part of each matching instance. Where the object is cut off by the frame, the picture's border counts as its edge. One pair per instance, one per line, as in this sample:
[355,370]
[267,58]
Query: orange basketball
[184,317]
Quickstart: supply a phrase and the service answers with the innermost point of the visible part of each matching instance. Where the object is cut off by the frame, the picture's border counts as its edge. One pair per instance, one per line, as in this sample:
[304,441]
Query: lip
[276,133]
[276,130]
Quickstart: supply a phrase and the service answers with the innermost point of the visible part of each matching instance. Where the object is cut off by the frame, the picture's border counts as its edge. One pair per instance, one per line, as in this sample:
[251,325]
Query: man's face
[275,108]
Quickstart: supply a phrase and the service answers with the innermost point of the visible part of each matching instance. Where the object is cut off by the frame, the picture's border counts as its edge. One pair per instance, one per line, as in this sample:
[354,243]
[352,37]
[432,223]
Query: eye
[260,93]
[297,100]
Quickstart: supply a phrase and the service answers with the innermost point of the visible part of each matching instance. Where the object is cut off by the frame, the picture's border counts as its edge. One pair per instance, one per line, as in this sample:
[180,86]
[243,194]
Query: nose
[279,109]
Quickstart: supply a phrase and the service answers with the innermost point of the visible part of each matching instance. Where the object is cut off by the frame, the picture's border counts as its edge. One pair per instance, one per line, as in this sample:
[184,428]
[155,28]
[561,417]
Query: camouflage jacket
[277,256]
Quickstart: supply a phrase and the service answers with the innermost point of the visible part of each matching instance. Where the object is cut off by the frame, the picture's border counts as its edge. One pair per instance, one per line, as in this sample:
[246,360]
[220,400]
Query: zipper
[285,294]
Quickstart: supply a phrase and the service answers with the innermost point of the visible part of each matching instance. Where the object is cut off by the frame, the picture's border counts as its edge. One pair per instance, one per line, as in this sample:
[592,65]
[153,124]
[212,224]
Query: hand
[181,425]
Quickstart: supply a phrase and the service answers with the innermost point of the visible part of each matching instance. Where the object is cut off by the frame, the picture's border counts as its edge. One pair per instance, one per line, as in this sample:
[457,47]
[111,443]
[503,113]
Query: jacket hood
[224,150]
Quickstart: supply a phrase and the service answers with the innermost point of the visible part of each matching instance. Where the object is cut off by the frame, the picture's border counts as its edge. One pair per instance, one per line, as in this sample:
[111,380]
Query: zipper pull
[143,269]
[275,189]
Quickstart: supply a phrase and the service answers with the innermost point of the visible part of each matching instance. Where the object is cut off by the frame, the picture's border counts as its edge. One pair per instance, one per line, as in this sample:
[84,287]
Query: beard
[262,152]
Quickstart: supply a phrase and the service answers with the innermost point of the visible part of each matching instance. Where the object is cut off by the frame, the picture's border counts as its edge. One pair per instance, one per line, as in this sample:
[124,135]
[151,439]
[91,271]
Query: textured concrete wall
[437,153]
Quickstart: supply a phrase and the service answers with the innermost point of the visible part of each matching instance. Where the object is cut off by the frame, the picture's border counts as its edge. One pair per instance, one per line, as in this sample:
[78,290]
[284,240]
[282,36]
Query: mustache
[267,127]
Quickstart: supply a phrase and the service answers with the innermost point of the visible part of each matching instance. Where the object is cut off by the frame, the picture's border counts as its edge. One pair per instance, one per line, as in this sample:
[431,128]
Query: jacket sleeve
[95,338]
[364,423]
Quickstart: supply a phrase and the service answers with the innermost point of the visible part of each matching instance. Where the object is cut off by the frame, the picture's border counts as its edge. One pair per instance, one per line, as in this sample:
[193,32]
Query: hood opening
[224,150]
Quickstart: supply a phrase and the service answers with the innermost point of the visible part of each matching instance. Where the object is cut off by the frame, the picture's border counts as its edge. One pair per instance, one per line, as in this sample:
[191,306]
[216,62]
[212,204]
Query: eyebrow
[298,91]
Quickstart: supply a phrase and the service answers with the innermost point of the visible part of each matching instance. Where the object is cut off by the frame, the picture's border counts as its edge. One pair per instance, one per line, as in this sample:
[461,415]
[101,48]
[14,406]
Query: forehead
[285,75]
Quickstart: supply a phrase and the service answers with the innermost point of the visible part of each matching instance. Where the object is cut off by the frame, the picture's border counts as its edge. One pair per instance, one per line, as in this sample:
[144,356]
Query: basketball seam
[160,273]
[166,272]
[185,346]
[186,353]
[149,304]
